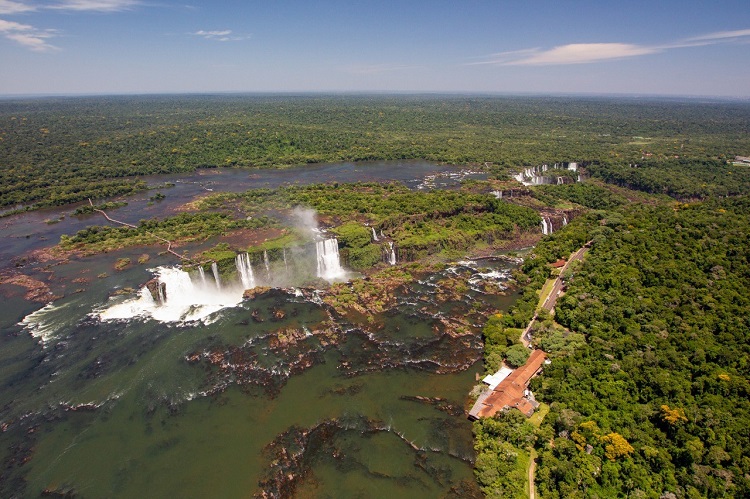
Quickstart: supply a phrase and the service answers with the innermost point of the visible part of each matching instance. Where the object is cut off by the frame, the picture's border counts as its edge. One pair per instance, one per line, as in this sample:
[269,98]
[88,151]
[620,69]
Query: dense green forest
[679,178]
[648,387]
[62,150]
[662,301]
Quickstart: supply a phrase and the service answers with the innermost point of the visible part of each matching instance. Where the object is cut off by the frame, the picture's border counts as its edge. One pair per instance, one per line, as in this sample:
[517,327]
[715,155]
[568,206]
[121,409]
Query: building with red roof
[511,392]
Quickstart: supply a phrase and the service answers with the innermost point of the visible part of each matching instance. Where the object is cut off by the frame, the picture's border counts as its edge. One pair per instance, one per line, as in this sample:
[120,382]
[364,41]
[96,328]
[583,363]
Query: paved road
[551,301]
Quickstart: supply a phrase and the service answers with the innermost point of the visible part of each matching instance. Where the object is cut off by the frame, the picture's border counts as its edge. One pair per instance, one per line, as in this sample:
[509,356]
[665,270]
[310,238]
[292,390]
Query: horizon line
[452,93]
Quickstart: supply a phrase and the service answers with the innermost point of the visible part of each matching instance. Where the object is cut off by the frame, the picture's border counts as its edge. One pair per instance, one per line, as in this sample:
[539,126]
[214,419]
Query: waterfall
[245,270]
[215,271]
[560,180]
[267,263]
[545,228]
[549,225]
[573,167]
[329,266]
[179,299]
[374,235]
[497,194]
[203,276]
[565,220]
[391,253]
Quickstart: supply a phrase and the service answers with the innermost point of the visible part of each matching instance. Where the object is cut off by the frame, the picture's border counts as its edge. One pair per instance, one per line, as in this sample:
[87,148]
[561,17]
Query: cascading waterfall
[545,228]
[202,273]
[245,270]
[391,253]
[374,235]
[215,271]
[565,220]
[329,265]
[535,175]
[178,299]
[267,263]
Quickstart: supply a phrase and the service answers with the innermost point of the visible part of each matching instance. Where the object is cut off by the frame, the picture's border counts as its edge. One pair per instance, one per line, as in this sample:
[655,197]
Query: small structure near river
[511,390]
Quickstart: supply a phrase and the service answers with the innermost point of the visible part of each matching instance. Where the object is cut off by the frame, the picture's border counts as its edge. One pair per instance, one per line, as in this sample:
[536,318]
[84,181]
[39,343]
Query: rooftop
[511,392]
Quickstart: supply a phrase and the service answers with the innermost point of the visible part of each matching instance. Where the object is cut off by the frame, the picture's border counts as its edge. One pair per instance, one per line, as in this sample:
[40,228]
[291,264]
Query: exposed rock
[36,290]
[154,287]
[251,294]
[287,337]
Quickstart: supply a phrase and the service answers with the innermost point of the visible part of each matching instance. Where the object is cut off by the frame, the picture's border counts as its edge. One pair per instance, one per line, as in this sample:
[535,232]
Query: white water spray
[267,263]
[329,265]
[185,300]
[215,271]
[245,270]
[546,227]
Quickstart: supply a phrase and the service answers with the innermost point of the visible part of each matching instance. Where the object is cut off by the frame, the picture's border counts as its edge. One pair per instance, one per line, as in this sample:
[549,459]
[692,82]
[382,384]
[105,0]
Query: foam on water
[41,324]
[186,301]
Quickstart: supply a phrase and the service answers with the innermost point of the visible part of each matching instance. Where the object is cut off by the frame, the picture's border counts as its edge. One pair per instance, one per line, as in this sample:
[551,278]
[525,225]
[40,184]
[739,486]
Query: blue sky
[664,47]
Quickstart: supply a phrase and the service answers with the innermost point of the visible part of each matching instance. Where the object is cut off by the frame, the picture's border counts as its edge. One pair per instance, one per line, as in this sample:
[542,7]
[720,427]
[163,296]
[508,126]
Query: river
[271,396]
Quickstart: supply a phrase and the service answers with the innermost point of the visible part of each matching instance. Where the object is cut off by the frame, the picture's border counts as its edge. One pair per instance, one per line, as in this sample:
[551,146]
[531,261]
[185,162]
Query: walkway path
[167,241]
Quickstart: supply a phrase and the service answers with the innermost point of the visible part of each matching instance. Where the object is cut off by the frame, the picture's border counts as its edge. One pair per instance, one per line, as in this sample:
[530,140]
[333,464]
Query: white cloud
[224,35]
[574,53]
[11,7]
[96,5]
[27,35]
[722,35]
[6,26]
[587,53]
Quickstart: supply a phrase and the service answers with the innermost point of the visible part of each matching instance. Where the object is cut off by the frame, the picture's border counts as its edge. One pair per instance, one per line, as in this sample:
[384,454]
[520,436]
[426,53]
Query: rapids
[189,390]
